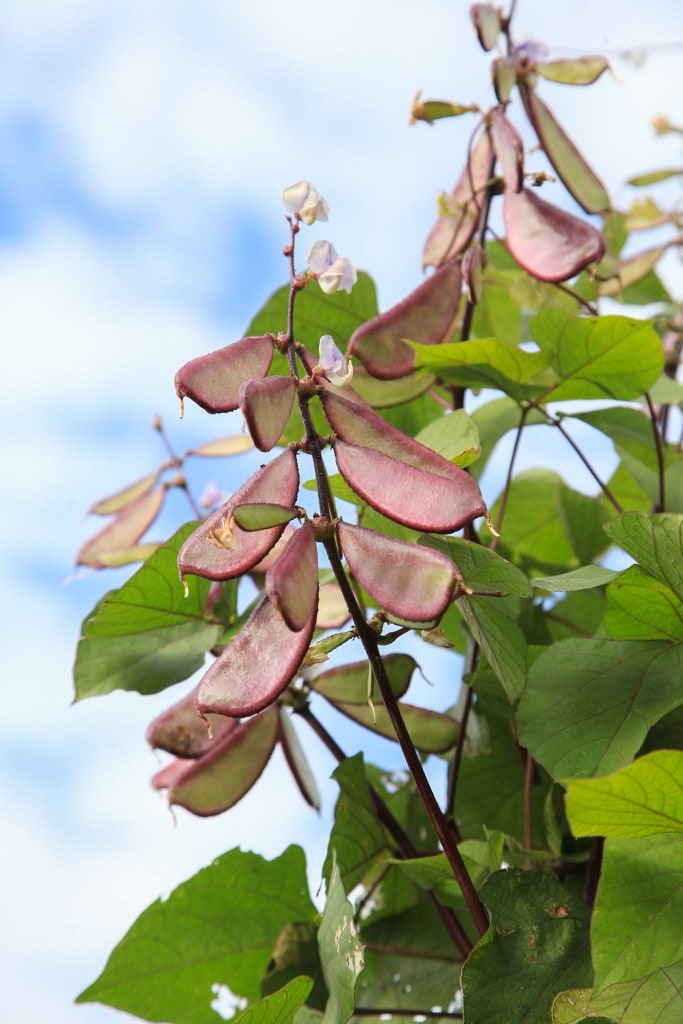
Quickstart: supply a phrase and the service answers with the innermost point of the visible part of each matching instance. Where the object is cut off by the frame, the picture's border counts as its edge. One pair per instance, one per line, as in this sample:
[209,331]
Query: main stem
[368,637]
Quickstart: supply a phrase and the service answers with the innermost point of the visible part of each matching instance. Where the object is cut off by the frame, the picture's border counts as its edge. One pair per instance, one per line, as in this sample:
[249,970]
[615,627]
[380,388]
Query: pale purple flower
[333,365]
[332,271]
[305,202]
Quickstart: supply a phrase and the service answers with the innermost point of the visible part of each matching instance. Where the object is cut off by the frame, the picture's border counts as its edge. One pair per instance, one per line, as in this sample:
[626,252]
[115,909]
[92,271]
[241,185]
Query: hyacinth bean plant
[544,884]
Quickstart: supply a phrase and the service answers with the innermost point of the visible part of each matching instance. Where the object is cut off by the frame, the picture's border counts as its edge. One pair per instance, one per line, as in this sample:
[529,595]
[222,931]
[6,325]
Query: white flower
[332,271]
[303,201]
[340,277]
[332,363]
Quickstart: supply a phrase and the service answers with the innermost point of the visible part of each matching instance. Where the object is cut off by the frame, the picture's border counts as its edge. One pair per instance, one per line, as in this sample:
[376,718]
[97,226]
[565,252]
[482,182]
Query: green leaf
[278,1008]
[318,313]
[588,704]
[295,953]
[599,357]
[585,578]
[537,946]
[491,786]
[218,928]
[639,607]
[579,614]
[656,543]
[635,937]
[341,952]
[657,997]
[454,436]
[357,838]
[410,961]
[500,638]
[147,635]
[493,420]
[643,799]
[435,874]
[486,363]
[481,568]
[548,526]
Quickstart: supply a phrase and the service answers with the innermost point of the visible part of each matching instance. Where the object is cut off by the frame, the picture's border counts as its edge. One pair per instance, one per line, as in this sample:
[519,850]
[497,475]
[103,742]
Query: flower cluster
[332,271]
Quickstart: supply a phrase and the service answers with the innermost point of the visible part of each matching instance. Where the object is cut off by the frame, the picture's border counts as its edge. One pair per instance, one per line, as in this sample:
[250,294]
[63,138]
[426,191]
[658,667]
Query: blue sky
[143,147]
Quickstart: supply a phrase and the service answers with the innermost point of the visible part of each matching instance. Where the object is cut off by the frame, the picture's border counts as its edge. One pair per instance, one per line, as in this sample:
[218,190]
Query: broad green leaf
[537,946]
[585,578]
[341,952]
[357,838]
[499,314]
[643,799]
[410,961]
[656,543]
[147,635]
[547,524]
[500,638]
[295,953]
[639,607]
[666,391]
[632,434]
[493,420]
[491,787]
[168,964]
[634,937]
[280,1007]
[481,568]
[454,436]
[588,704]
[435,873]
[599,357]
[318,313]
[485,363]
[657,997]
[578,614]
